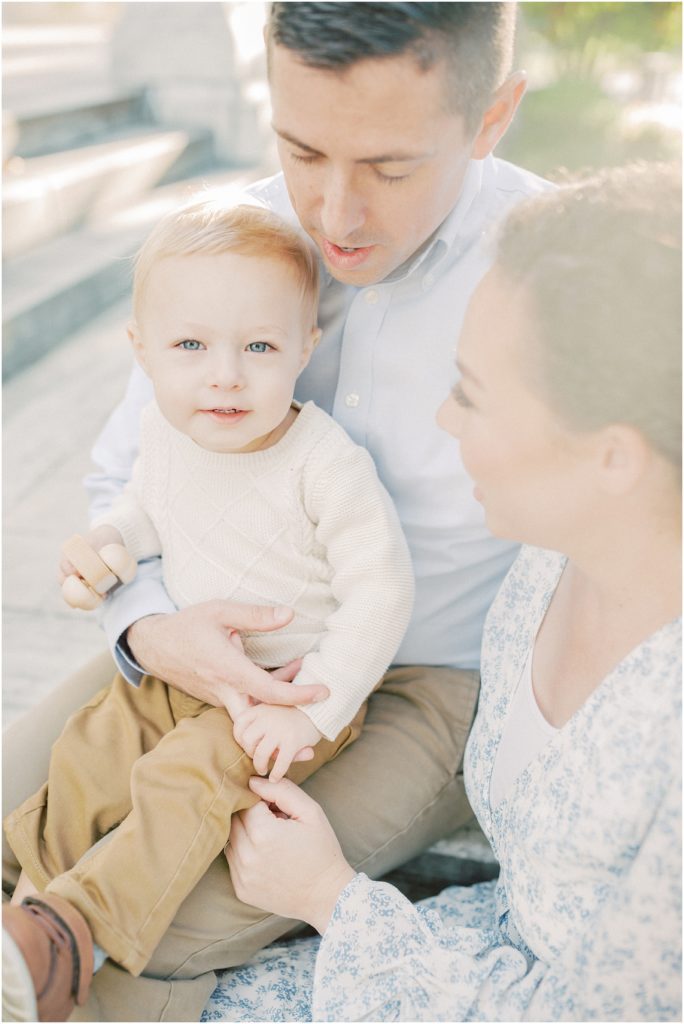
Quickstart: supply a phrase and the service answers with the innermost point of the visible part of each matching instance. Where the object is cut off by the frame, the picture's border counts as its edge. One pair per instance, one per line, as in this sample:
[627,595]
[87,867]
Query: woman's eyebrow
[468,374]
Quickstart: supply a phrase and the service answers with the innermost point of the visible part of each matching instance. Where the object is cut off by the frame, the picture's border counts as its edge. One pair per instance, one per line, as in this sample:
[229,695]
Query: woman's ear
[624,458]
[499,115]
[133,332]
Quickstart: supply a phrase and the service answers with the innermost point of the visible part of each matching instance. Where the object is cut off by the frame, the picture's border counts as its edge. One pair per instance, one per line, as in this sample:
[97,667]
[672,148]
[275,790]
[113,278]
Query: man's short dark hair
[476,39]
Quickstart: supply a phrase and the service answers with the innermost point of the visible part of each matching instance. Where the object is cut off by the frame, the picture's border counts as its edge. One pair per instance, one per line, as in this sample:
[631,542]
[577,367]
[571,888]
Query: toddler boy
[250,497]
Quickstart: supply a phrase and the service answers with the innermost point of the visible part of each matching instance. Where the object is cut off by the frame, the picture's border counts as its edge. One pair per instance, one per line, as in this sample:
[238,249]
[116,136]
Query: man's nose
[342,208]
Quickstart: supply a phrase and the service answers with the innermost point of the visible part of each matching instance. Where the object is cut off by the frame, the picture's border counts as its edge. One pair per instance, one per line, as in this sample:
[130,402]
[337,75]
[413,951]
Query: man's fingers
[287,797]
[249,678]
[253,616]
[287,672]
[274,692]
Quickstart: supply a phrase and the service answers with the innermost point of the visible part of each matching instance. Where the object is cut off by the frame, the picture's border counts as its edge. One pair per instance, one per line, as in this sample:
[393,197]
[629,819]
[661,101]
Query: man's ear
[133,332]
[499,115]
[310,345]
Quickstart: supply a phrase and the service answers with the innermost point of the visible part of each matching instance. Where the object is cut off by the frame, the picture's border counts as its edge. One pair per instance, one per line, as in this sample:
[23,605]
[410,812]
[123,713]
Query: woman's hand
[284,856]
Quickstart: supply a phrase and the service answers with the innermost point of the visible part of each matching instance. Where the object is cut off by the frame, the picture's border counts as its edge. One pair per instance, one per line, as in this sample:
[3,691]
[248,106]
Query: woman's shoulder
[514,618]
[525,593]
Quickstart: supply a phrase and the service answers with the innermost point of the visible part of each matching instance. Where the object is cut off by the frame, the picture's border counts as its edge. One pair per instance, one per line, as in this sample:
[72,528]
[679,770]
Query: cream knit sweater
[305,523]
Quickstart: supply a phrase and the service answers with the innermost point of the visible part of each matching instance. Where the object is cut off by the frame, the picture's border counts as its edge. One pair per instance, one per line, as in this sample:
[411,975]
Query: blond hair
[209,228]
[600,262]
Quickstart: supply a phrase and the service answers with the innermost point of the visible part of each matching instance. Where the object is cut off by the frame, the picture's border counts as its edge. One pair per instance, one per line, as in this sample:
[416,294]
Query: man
[386,116]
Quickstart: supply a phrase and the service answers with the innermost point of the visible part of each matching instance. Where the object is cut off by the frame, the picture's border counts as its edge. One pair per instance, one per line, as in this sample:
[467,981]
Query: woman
[567,410]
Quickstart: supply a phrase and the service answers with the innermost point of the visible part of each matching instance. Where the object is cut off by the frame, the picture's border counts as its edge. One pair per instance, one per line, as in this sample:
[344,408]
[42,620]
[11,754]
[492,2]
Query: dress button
[371,296]
[352,400]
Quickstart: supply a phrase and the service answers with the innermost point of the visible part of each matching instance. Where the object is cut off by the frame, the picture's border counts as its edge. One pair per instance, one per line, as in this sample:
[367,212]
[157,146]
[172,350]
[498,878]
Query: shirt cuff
[145,596]
[126,663]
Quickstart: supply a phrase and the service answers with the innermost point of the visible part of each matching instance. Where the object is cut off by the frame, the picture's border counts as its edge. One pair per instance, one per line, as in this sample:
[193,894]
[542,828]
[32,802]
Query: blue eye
[190,346]
[258,346]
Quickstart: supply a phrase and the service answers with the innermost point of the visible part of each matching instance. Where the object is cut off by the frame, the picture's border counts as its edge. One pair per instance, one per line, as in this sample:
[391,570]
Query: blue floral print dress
[584,922]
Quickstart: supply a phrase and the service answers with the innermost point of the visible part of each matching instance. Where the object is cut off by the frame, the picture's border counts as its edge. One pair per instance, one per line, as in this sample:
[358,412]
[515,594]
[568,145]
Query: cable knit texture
[305,523]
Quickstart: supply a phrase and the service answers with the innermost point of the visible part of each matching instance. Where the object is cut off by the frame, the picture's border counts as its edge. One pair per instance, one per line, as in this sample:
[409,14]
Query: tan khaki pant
[167,770]
[391,794]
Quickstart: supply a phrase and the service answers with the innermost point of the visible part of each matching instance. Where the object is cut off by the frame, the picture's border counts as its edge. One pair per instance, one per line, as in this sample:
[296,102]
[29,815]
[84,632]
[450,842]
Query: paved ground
[51,414]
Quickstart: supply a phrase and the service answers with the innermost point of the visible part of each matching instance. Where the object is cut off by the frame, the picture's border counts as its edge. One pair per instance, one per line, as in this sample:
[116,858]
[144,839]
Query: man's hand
[268,731]
[198,651]
[284,856]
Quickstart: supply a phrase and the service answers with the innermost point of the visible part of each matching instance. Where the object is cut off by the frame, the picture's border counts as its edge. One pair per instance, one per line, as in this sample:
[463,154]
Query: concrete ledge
[59,192]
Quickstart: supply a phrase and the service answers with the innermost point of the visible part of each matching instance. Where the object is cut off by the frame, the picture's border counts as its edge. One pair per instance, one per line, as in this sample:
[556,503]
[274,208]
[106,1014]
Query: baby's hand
[270,731]
[92,565]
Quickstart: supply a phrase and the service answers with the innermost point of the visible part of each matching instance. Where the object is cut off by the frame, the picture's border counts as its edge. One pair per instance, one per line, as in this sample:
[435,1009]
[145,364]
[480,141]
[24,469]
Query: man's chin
[372,271]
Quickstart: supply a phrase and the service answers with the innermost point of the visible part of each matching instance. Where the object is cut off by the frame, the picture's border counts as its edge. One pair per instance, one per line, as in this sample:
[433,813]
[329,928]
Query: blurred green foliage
[585,30]
[577,118]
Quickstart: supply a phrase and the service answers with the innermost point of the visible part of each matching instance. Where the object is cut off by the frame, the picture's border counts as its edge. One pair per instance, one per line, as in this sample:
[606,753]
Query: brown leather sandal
[57,947]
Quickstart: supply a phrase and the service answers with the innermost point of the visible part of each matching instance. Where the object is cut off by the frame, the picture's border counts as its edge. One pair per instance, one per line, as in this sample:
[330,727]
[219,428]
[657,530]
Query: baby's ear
[133,332]
[309,346]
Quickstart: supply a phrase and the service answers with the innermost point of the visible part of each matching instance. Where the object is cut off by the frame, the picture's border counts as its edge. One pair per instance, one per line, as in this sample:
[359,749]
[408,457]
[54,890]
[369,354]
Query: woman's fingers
[287,797]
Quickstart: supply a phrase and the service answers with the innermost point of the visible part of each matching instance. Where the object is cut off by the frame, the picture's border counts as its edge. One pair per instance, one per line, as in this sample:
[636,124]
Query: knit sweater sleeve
[372,581]
[129,513]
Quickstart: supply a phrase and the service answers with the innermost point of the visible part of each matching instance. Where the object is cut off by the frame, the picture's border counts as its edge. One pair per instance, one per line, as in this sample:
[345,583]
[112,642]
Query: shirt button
[371,296]
[352,400]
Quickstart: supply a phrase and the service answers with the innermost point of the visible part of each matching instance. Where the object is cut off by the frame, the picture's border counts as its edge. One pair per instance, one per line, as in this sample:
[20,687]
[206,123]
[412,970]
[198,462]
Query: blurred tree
[607,92]
[580,33]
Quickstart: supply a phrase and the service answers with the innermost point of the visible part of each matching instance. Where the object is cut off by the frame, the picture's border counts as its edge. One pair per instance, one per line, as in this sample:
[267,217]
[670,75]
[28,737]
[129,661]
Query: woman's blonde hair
[209,228]
[600,263]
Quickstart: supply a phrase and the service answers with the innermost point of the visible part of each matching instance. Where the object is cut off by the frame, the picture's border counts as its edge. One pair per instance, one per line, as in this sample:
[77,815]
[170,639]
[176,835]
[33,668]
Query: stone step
[61,117]
[52,194]
[54,290]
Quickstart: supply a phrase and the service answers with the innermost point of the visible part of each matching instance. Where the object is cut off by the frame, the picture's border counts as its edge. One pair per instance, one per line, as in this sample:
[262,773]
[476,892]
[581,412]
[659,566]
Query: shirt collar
[451,228]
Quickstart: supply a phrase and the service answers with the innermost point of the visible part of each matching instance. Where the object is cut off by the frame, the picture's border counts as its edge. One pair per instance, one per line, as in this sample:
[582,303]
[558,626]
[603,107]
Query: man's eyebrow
[295,141]
[383,158]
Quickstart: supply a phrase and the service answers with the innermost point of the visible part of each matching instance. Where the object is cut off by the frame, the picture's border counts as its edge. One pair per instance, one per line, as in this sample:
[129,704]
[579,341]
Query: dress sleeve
[382,958]
[628,966]
[372,582]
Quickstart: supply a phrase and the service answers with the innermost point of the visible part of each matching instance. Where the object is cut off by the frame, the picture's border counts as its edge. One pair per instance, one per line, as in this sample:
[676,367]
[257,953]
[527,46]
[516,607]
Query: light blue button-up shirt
[382,368]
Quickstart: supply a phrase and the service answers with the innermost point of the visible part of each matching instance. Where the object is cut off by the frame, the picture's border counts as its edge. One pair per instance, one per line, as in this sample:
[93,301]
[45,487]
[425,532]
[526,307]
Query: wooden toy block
[79,595]
[120,561]
[100,571]
[94,571]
